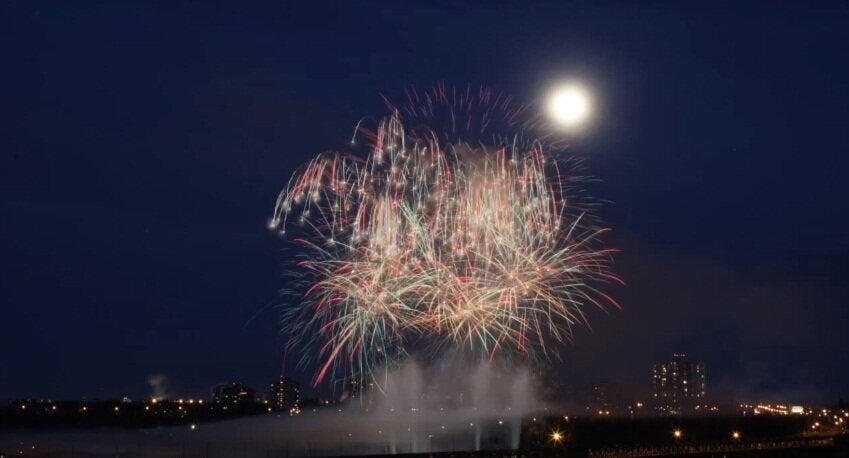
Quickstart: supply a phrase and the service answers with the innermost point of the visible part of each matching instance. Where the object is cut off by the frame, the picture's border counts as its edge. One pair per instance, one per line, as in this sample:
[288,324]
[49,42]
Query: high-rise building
[235,395]
[285,394]
[678,385]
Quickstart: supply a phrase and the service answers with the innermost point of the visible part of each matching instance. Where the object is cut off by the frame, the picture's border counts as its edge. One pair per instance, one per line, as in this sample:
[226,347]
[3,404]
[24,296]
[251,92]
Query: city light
[778,409]
[556,437]
[825,422]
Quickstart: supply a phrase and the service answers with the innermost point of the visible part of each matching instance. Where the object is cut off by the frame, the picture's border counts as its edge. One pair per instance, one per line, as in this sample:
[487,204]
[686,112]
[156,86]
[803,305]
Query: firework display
[440,240]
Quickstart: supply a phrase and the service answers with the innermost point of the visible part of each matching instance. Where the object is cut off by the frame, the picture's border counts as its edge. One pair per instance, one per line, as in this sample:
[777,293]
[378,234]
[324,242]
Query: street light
[556,437]
[677,433]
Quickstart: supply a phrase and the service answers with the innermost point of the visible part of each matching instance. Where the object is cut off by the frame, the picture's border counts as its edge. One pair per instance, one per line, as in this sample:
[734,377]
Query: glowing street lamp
[557,437]
[677,433]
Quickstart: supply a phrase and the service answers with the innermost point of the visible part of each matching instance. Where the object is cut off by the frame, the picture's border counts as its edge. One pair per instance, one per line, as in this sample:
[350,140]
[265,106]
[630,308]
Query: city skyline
[668,395]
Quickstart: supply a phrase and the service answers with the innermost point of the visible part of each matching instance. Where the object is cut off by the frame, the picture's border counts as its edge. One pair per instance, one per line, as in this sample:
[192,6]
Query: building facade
[236,397]
[679,385]
[285,395]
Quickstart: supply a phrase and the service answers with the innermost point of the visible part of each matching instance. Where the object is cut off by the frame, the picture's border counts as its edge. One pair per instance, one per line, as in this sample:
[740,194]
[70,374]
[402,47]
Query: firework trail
[437,241]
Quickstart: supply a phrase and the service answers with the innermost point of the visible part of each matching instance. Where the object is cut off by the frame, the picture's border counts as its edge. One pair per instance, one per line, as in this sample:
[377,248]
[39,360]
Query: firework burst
[436,240]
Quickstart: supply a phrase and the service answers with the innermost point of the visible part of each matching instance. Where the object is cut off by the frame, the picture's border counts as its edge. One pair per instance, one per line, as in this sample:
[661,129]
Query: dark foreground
[833,449]
[540,437]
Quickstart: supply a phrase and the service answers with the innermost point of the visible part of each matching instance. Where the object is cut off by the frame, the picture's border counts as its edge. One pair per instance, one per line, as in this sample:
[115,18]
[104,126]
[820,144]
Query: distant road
[796,447]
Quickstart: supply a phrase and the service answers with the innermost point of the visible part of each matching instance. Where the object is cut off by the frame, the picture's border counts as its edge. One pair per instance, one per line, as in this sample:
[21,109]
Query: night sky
[143,147]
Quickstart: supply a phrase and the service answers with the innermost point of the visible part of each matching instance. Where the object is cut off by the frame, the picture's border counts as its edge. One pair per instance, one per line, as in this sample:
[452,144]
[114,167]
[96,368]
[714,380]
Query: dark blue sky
[143,147]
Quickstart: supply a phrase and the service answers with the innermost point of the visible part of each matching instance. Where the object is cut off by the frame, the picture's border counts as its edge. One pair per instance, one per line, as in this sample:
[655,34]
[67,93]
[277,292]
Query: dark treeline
[91,414]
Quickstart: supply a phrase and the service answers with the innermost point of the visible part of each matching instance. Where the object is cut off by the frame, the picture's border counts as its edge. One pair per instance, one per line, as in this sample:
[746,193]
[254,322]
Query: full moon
[569,105]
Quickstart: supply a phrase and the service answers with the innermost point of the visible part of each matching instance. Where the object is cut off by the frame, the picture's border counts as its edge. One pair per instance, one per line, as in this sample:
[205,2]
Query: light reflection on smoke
[438,409]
